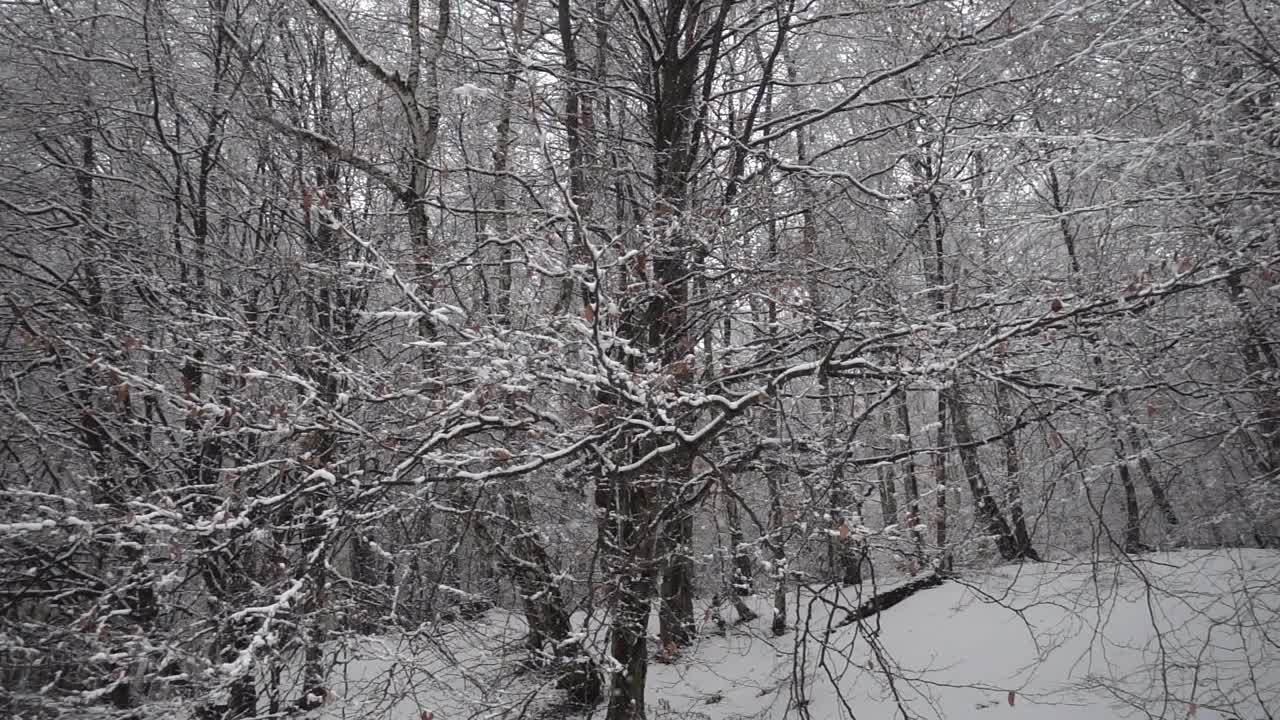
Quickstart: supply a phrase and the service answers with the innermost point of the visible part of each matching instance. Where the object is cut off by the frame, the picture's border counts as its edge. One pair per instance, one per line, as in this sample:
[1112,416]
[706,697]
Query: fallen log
[889,598]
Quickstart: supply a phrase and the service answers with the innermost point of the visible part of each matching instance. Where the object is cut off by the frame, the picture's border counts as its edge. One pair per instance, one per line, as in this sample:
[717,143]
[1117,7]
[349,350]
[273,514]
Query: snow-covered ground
[1177,635]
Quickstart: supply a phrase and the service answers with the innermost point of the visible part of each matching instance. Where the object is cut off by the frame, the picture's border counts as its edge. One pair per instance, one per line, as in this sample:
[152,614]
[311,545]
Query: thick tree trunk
[844,553]
[1013,474]
[627,546]
[741,571]
[887,485]
[675,612]
[1139,446]
[939,459]
[629,646]
[986,506]
[779,622]
[1263,366]
[888,598]
[910,484]
[546,611]
[656,325]
[1132,512]
[501,162]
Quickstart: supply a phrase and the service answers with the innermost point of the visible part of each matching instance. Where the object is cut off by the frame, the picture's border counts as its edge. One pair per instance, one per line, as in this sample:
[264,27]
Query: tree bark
[1013,473]
[779,623]
[887,485]
[524,557]
[939,460]
[909,481]
[627,546]
[987,508]
[675,611]
[741,571]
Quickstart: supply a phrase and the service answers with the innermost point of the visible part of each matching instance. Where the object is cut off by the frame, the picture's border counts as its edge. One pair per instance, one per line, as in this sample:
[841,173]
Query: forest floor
[1193,634]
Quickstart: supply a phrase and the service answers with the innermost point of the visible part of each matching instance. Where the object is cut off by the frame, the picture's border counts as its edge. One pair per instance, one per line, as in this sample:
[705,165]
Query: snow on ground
[1177,635]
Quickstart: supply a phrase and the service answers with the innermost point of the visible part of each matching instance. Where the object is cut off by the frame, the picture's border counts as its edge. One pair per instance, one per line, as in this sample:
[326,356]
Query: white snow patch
[1164,635]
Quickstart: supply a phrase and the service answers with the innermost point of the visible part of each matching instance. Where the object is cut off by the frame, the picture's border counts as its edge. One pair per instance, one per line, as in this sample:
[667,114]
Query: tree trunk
[741,572]
[1139,446]
[909,482]
[1132,513]
[546,612]
[629,646]
[501,161]
[1013,473]
[1261,363]
[779,623]
[844,553]
[887,485]
[675,612]
[626,544]
[939,459]
[986,507]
